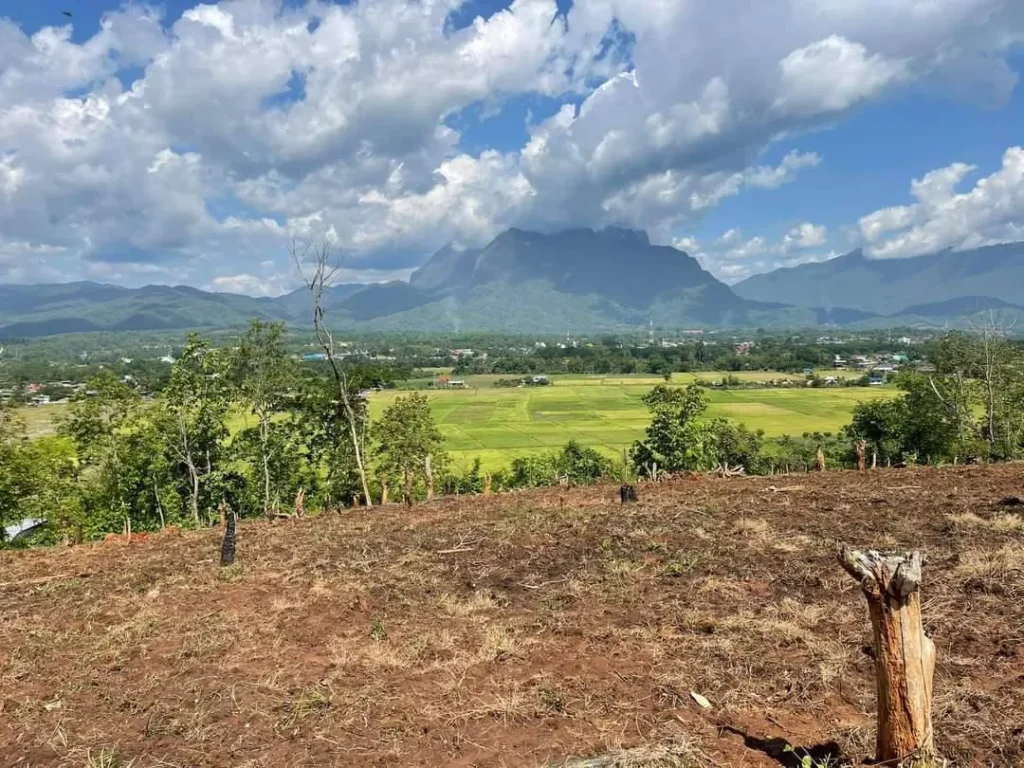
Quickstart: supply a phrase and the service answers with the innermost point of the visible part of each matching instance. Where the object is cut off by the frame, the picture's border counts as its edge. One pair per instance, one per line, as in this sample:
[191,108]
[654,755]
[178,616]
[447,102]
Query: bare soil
[519,630]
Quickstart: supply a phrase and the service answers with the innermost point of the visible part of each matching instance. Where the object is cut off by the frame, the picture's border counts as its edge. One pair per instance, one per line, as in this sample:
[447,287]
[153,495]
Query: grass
[568,627]
[497,425]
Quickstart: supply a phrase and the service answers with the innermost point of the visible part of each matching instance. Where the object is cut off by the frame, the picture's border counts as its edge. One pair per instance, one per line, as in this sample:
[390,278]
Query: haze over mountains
[572,281]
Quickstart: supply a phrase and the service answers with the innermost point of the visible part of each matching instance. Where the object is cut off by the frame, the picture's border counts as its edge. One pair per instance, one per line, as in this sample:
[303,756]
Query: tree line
[248,429]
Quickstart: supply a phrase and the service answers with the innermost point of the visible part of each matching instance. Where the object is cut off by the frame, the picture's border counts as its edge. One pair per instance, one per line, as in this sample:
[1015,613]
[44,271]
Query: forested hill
[576,281]
[979,279]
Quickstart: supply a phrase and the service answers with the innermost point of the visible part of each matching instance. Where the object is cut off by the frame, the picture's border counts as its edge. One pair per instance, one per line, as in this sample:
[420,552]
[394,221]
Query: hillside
[518,630]
[898,286]
[48,309]
[577,280]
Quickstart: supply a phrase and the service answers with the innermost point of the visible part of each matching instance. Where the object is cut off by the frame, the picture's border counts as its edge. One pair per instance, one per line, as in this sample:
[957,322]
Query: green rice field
[605,412]
[498,425]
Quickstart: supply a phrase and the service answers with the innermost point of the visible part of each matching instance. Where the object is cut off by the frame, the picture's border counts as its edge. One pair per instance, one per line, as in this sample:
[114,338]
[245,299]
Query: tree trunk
[159,506]
[487,485]
[820,460]
[874,459]
[430,477]
[194,501]
[904,655]
[265,456]
[861,449]
[383,491]
[407,489]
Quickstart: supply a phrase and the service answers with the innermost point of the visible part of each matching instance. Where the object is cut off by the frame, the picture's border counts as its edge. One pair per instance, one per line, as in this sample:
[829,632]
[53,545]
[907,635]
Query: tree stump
[227,547]
[429,473]
[384,491]
[861,452]
[627,494]
[487,485]
[904,655]
[300,503]
[820,460]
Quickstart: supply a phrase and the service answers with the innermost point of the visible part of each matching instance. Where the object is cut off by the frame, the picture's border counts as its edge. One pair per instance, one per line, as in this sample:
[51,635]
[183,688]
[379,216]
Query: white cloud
[806,235]
[253,120]
[832,75]
[732,256]
[991,212]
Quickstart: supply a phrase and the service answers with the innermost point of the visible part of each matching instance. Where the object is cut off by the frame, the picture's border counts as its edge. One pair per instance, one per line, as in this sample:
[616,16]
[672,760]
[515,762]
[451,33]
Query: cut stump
[904,655]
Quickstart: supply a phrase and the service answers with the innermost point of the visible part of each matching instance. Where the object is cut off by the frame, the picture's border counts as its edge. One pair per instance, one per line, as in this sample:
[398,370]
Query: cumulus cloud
[194,148]
[732,256]
[991,212]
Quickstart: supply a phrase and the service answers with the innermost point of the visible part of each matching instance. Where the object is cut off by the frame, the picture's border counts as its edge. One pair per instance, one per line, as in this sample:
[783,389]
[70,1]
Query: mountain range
[572,281]
[891,286]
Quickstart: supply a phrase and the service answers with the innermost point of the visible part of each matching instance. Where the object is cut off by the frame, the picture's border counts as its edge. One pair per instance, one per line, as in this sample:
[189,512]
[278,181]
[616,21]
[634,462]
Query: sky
[188,143]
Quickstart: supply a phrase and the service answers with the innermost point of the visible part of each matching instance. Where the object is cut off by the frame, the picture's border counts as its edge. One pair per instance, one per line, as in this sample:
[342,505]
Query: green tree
[581,465]
[407,439]
[883,425]
[15,469]
[676,439]
[322,437]
[193,421]
[56,493]
[263,375]
[97,422]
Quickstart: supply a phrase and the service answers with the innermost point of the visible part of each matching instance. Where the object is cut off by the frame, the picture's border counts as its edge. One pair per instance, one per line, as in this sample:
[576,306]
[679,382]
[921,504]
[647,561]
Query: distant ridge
[578,280]
[896,286]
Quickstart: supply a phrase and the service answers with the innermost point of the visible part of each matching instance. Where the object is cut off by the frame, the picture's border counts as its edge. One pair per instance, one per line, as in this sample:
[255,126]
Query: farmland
[497,425]
[604,412]
[520,629]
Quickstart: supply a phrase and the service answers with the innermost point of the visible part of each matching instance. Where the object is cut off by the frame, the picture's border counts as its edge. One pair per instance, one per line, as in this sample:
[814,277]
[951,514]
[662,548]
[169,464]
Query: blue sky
[187,143]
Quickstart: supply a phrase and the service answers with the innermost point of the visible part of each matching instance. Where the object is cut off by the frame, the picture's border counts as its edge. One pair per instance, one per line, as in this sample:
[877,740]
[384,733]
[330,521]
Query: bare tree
[318,269]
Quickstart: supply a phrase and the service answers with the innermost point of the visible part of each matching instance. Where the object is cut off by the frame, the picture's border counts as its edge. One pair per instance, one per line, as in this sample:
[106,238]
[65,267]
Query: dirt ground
[520,630]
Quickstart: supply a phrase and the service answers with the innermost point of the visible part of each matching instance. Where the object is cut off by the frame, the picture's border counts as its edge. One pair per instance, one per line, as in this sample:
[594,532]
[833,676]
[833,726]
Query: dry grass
[568,625]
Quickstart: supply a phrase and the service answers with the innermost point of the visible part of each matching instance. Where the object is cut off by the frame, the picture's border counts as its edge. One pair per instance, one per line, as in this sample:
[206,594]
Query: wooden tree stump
[861,453]
[627,494]
[820,461]
[227,547]
[904,655]
[384,490]
[487,485]
[429,474]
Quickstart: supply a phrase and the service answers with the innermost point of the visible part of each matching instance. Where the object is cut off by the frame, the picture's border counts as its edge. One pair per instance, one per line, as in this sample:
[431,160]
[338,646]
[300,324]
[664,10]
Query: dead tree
[318,281]
[904,655]
[627,494]
[861,452]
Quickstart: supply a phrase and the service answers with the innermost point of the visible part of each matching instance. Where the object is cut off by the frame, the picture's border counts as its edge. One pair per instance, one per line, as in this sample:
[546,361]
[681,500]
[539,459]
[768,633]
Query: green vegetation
[496,425]
[248,428]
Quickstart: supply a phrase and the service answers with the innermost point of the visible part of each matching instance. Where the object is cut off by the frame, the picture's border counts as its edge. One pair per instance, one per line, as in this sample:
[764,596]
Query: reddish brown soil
[519,630]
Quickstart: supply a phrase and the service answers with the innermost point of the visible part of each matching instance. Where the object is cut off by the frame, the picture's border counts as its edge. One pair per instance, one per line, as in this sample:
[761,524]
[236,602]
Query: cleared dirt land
[519,630]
